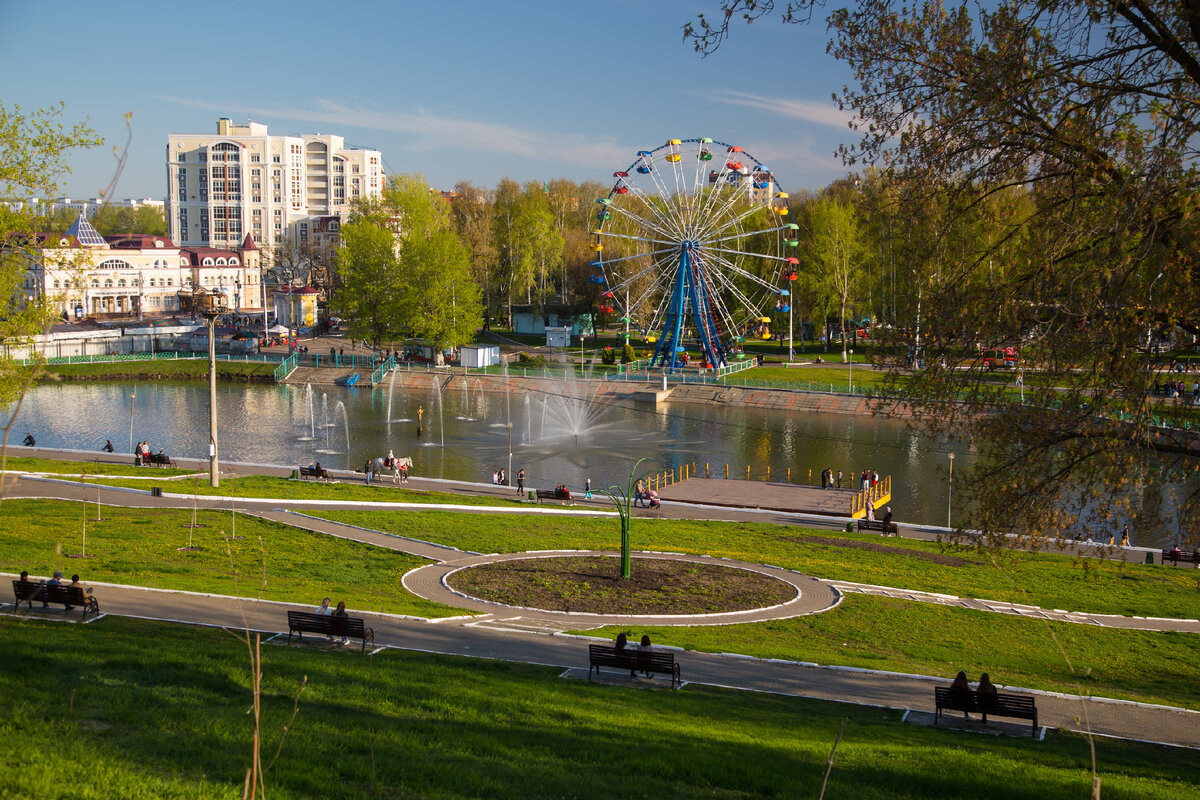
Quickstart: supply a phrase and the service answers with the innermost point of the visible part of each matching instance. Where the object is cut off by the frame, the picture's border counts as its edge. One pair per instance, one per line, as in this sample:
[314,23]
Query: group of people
[1112,538]
[499,478]
[622,645]
[142,451]
[26,587]
[324,610]
[828,478]
[985,692]
[644,496]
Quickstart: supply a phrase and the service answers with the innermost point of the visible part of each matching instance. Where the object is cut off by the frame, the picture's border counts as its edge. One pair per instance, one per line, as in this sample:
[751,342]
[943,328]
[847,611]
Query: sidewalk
[500,637]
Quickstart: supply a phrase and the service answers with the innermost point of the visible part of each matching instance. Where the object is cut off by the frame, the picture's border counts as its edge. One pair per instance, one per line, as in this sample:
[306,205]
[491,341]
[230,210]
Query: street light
[851,370]
[210,304]
[950,496]
[1150,310]
[508,475]
[132,395]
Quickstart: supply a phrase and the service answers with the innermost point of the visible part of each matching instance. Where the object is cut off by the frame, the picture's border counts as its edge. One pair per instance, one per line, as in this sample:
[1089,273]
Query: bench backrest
[1001,703]
[324,623]
[631,657]
[70,595]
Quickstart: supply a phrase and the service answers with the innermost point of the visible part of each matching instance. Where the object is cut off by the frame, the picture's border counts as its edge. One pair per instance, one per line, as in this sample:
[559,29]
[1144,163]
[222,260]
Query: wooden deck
[760,494]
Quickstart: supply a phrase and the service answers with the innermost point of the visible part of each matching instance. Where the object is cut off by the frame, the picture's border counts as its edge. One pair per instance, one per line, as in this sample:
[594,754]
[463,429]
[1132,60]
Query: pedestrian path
[513,637]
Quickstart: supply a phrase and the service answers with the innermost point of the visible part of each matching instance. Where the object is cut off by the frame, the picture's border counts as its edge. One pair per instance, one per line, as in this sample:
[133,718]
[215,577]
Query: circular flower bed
[593,584]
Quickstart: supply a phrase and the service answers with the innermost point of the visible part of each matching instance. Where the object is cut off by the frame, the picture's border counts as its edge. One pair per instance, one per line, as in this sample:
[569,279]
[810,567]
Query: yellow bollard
[768,473]
[706,470]
[747,472]
[810,474]
[789,474]
[726,472]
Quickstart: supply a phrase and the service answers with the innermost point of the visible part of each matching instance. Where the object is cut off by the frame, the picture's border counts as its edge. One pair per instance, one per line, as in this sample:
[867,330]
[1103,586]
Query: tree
[438,300]
[1081,118]
[473,210]
[33,157]
[144,219]
[367,262]
[835,253]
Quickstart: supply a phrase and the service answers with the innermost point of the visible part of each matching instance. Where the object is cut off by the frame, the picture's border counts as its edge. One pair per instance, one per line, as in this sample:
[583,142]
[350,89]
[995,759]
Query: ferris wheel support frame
[688,288]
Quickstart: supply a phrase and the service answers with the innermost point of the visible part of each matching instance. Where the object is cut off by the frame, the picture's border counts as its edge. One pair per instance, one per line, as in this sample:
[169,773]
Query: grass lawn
[140,547]
[161,369]
[838,375]
[89,467]
[285,488]
[1043,579]
[408,725]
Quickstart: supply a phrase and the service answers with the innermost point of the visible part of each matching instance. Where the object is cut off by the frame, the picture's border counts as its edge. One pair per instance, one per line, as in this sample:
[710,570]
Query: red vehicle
[1000,358]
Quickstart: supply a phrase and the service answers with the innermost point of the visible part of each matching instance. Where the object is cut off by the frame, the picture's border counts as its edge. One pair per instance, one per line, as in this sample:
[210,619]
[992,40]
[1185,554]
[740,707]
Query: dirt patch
[594,585]
[936,558]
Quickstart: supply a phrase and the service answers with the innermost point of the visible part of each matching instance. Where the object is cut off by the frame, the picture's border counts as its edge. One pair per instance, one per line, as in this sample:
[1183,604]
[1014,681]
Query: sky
[457,91]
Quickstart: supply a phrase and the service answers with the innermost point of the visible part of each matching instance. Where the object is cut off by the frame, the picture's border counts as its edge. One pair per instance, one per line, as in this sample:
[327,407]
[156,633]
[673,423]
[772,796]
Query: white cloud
[819,113]
[433,132]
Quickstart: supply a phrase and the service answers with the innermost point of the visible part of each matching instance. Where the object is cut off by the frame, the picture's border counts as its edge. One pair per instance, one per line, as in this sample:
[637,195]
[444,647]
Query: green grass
[161,369]
[91,468]
[285,488]
[920,638]
[838,375]
[1048,580]
[140,547]
[75,706]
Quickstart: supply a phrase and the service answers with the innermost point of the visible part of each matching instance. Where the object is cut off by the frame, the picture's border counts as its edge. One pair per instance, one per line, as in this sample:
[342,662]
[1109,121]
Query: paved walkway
[511,637]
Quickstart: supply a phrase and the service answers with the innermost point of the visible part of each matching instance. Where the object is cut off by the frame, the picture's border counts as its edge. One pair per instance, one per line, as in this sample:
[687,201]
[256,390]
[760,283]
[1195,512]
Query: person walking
[1125,535]
[520,481]
[587,489]
[839,479]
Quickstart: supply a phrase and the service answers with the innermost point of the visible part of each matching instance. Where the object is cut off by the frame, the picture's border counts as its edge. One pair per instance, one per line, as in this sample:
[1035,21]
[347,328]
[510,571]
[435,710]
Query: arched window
[221,261]
[95,283]
[66,284]
[152,283]
[115,263]
[233,262]
[56,284]
[108,283]
[121,283]
[207,262]
[170,281]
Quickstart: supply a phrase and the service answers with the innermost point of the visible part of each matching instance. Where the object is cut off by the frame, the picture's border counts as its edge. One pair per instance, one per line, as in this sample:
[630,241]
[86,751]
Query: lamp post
[851,370]
[1150,310]
[508,475]
[210,304]
[132,395]
[950,495]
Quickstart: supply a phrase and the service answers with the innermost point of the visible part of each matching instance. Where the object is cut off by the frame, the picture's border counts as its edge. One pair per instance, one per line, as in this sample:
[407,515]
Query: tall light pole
[1150,310]
[852,372]
[950,495]
[211,304]
[132,395]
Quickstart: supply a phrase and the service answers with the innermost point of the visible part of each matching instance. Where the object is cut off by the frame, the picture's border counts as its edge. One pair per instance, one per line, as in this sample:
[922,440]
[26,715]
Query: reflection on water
[561,438]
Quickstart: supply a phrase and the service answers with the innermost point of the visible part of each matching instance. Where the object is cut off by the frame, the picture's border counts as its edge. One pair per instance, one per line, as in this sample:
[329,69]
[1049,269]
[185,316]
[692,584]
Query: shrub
[608,356]
[627,354]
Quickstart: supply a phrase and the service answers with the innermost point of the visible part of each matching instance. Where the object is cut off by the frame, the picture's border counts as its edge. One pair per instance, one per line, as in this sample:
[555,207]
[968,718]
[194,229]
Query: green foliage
[368,265]
[109,220]
[34,149]
[627,355]
[439,301]
[608,356]
[534,361]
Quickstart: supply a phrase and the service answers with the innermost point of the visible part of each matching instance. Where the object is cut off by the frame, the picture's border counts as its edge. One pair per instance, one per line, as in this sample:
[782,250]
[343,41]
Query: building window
[274,159]
[181,156]
[170,281]
[255,158]
[56,284]
[108,283]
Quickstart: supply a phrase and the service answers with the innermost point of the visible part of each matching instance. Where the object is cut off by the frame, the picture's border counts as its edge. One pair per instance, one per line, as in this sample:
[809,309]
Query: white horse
[399,470]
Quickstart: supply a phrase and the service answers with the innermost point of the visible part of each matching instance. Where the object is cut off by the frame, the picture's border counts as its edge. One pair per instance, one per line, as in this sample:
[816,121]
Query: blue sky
[472,91]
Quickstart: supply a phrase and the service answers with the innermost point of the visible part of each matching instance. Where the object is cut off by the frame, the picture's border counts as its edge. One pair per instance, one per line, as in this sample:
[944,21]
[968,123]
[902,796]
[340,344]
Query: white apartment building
[136,275]
[243,181]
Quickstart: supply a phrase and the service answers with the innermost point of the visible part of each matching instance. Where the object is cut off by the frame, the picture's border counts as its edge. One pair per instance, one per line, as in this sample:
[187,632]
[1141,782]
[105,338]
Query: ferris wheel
[694,247]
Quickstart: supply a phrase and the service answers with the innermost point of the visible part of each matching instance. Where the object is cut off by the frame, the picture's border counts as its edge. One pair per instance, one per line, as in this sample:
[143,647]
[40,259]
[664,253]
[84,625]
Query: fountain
[328,449]
[312,422]
[391,394]
[573,411]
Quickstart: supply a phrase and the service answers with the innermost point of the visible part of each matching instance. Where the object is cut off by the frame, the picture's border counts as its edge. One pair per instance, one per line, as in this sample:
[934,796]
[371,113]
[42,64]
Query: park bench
[634,660]
[1017,706]
[302,622]
[562,495]
[314,472]
[1181,556]
[1162,389]
[886,528]
[75,596]
[157,460]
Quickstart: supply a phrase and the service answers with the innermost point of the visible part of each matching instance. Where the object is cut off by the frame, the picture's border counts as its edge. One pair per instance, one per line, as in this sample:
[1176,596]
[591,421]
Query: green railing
[286,366]
[383,369]
[117,358]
